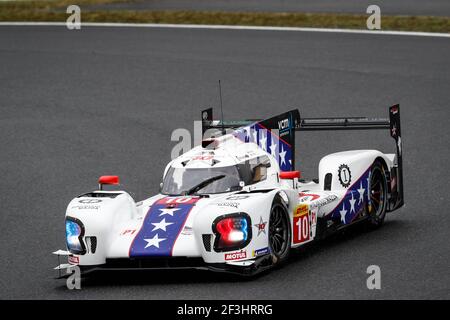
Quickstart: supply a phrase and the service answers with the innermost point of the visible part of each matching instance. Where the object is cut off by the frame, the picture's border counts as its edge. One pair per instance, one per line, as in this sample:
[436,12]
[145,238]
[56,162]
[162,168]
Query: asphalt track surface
[391,7]
[79,104]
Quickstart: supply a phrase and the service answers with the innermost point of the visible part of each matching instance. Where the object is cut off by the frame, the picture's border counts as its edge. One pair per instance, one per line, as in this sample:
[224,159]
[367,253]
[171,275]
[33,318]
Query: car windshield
[215,180]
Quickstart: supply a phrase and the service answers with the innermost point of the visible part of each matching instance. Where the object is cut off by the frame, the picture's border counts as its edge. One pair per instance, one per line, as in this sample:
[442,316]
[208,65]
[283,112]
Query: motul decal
[236,255]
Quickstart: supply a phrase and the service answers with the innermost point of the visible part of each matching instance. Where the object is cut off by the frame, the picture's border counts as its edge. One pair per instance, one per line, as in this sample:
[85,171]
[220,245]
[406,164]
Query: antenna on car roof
[221,108]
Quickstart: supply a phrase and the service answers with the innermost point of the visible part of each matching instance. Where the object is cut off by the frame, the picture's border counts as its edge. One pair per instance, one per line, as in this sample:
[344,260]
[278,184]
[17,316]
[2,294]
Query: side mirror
[290,174]
[111,180]
[160,186]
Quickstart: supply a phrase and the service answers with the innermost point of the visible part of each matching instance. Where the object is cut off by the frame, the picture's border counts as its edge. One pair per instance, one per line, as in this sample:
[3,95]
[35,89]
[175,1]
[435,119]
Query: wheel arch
[278,198]
[386,169]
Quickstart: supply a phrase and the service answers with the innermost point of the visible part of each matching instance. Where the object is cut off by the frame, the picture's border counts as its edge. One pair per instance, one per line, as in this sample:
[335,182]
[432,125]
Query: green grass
[54,11]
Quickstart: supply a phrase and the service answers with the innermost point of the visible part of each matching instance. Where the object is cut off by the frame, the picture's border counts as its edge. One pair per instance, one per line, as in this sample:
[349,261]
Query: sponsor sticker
[308,196]
[88,204]
[394,110]
[128,232]
[187,231]
[394,131]
[260,252]
[313,217]
[301,210]
[323,202]
[283,125]
[90,201]
[236,255]
[344,175]
[173,201]
[203,158]
[228,204]
[237,198]
[301,224]
[393,183]
[86,207]
[73,260]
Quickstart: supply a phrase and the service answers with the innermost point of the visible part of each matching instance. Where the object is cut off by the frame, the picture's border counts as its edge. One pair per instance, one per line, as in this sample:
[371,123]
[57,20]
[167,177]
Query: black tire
[279,232]
[378,195]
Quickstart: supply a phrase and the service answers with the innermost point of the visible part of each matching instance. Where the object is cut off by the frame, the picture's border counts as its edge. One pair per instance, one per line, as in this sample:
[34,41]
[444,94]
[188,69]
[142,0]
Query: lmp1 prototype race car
[236,203]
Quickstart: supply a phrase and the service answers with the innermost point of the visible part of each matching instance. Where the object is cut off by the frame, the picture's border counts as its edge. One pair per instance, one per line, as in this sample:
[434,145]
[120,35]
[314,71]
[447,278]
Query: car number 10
[301,230]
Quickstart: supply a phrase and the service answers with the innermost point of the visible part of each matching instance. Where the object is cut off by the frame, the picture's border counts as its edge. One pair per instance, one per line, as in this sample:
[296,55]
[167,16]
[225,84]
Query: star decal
[168,211]
[154,241]
[282,156]
[263,140]
[255,136]
[247,134]
[161,225]
[273,149]
[261,226]
[361,193]
[352,204]
[343,212]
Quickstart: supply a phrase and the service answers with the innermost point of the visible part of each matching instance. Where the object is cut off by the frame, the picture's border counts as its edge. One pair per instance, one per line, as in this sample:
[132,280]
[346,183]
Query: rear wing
[360,123]
[276,135]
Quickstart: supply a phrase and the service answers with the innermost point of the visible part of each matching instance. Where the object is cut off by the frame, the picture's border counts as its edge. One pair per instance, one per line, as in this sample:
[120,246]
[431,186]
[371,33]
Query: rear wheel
[378,195]
[279,232]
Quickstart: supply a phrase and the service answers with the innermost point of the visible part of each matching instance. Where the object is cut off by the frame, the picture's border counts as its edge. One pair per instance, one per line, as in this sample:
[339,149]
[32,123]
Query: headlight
[232,232]
[74,235]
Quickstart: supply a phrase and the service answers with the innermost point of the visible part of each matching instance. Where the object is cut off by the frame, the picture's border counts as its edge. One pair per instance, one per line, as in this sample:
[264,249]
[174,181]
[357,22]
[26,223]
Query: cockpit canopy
[211,180]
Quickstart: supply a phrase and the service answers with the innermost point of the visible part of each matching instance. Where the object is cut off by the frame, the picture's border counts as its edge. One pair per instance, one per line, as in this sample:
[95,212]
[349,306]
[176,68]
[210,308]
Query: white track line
[230,27]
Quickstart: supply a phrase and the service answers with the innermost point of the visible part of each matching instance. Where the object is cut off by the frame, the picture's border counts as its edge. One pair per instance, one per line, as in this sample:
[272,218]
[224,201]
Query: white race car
[236,203]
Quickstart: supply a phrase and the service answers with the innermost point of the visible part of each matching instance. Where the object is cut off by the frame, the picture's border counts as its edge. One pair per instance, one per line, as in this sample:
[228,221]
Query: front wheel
[279,232]
[378,195]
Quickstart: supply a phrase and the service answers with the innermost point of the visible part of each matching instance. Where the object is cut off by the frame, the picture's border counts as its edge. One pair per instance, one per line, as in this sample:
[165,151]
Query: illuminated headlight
[74,234]
[232,232]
